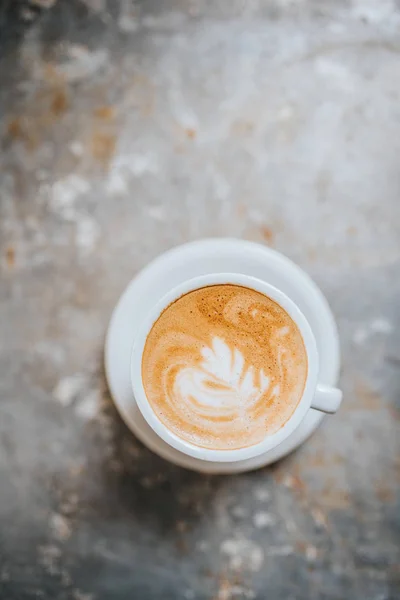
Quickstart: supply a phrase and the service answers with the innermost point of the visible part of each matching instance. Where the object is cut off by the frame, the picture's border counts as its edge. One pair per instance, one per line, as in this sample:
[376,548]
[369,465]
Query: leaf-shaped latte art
[221,380]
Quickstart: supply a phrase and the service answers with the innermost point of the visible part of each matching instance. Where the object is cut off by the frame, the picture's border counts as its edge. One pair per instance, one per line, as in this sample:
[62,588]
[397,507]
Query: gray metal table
[130,128]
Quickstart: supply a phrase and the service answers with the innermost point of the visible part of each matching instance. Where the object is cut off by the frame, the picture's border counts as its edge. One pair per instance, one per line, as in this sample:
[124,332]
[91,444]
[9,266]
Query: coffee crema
[224,366]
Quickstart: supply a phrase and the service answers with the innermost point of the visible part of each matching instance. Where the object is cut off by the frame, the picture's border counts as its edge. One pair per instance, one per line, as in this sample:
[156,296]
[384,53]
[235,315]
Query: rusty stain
[385,494]
[48,104]
[312,254]
[59,102]
[144,94]
[181,526]
[10,257]
[15,128]
[191,133]
[53,75]
[242,127]
[18,129]
[76,470]
[208,573]
[107,113]
[301,546]
[289,480]
[319,518]
[267,234]
[307,549]
[333,498]
[227,586]
[330,497]
[224,589]
[182,545]
[103,147]
[351,231]
[322,460]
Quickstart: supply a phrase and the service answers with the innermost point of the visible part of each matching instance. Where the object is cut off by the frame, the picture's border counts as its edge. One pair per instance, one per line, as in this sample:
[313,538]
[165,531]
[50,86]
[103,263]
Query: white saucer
[200,258]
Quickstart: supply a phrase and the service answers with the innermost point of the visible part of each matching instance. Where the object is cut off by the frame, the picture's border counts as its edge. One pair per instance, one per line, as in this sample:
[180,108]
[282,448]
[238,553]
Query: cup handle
[327,399]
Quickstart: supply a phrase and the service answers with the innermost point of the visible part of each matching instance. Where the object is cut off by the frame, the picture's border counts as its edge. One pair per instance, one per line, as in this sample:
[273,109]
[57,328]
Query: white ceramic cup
[315,395]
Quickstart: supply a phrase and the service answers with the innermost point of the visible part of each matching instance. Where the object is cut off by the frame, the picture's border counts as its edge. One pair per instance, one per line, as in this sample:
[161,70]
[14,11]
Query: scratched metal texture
[128,128]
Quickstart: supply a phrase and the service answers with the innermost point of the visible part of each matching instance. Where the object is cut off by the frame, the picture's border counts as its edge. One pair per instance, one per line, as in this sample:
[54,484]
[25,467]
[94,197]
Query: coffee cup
[314,394]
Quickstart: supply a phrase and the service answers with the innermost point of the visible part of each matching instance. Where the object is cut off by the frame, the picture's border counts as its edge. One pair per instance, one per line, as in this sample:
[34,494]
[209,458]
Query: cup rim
[270,441]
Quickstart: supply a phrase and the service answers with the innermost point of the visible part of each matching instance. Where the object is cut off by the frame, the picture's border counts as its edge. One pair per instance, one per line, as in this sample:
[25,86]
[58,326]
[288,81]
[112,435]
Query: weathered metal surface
[127,129]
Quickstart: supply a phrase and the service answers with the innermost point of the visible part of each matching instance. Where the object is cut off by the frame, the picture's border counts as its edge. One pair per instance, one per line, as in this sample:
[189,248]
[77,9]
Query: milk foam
[224,366]
[221,381]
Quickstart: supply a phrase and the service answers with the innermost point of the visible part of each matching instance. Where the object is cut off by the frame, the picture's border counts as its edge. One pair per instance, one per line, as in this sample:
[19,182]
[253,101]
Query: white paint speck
[157,213]
[319,518]
[262,494]
[379,325]
[76,148]
[82,63]
[360,335]
[26,14]
[243,553]
[184,114]
[311,553]
[87,233]
[88,408]
[263,519]
[116,182]
[202,546]
[60,526]
[127,165]
[143,163]
[49,557]
[285,113]
[54,353]
[289,481]
[240,512]
[222,189]
[78,595]
[64,196]
[241,592]
[68,388]
[66,201]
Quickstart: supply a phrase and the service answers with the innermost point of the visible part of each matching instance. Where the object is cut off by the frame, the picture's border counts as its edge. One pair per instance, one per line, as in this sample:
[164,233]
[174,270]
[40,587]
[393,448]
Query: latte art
[221,381]
[224,366]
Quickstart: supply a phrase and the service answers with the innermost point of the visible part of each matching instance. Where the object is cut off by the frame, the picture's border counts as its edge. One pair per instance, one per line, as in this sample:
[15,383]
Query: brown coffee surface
[224,366]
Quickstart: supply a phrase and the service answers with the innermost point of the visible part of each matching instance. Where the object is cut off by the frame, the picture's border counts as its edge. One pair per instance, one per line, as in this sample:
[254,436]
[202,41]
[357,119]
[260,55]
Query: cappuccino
[224,366]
